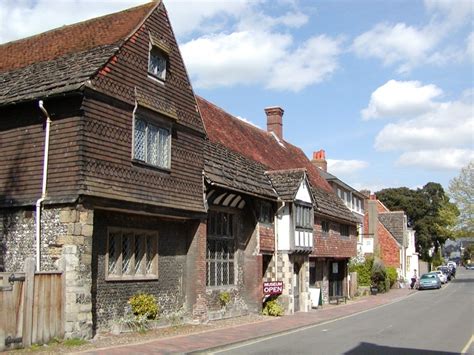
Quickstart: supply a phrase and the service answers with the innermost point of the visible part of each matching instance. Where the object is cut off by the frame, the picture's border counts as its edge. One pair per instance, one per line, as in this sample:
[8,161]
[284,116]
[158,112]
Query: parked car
[442,277]
[447,271]
[429,280]
[469,266]
[451,263]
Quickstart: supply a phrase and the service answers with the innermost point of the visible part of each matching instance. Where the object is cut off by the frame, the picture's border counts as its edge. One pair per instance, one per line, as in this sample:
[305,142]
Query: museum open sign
[273,287]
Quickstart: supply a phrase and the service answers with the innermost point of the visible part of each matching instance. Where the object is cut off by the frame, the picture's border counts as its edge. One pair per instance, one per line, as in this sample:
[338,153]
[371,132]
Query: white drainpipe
[276,238]
[43,188]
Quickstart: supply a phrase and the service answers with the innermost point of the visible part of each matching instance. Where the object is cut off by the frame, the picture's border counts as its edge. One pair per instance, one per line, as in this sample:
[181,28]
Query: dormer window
[157,63]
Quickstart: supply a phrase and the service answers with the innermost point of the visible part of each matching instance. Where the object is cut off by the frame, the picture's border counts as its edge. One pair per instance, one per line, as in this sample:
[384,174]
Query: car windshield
[428,276]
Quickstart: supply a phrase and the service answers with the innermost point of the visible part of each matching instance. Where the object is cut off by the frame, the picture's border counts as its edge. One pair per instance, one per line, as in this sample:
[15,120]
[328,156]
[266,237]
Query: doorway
[296,286]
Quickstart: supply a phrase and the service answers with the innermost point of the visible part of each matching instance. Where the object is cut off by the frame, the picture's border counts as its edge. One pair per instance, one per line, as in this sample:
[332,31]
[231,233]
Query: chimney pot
[319,160]
[275,120]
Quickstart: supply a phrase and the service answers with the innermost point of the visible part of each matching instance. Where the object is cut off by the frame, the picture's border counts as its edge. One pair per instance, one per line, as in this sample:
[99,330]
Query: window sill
[143,164]
[221,288]
[131,278]
[156,78]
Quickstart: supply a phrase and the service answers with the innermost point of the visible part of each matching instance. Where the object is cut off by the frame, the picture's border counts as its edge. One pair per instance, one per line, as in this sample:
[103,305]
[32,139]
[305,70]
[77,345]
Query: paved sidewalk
[225,336]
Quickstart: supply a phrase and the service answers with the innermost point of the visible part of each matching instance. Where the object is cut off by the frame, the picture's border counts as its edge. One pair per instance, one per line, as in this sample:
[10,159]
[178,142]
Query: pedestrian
[413,280]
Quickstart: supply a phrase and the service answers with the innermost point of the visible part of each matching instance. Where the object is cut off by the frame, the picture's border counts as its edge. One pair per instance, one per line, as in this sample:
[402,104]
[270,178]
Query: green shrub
[273,308]
[364,271]
[144,304]
[392,275]
[224,298]
[379,275]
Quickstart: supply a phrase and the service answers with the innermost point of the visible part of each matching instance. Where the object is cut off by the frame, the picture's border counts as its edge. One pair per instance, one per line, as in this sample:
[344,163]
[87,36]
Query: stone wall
[66,245]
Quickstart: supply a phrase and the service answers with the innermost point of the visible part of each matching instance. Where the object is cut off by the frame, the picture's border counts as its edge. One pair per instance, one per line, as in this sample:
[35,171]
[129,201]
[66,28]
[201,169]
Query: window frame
[305,223]
[325,233]
[265,210]
[165,56]
[157,124]
[343,228]
[136,233]
[218,238]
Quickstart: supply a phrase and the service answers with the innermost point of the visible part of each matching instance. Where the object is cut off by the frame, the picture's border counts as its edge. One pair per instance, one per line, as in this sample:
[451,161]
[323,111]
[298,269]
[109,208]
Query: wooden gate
[32,307]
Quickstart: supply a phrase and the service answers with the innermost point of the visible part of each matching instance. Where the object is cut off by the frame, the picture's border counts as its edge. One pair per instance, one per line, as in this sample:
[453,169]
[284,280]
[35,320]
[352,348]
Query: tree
[461,191]
[429,213]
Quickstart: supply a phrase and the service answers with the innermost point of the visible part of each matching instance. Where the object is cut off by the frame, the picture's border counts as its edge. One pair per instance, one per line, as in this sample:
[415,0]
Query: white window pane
[139,140]
[152,145]
[127,254]
[164,147]
[157,63]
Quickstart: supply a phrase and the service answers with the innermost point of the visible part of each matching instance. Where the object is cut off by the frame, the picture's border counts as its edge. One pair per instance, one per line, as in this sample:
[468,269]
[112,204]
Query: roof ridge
[286,170]
[252,126]
[231,115]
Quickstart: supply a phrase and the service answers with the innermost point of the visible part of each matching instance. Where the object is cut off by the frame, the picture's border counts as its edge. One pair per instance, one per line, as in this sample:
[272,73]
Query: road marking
[468,345]
[272,336]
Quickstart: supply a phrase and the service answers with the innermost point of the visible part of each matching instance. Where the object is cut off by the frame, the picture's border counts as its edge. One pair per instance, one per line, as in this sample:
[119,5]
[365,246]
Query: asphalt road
[427,322]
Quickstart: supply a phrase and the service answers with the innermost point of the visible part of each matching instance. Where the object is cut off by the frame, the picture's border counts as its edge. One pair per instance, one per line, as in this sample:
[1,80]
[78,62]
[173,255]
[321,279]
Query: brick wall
[267,238]
[389,249]
[332,244]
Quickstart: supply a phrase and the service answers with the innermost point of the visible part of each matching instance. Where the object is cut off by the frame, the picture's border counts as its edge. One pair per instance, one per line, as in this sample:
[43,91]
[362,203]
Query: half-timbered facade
[334,227]
[102,154]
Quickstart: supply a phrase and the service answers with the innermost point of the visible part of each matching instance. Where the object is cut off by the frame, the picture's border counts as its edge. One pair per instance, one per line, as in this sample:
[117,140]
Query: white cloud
[470,47]
[397,44]
[311,63]
[408,46]
[423,128]
[203,15]
[345,167]
[401,99]
[449,124]
[260,57]
[237,58]
[438,159]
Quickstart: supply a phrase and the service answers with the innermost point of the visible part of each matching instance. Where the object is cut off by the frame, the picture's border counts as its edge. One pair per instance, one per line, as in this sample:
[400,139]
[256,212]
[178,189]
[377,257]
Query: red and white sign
[273,287]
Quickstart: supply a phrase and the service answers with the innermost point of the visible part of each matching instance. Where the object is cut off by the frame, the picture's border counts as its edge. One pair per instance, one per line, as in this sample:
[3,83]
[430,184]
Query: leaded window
[220,249]
[304,216]
[325,228]
[131,254]
[265,214]
[344,230]
[157,63]
[152,144]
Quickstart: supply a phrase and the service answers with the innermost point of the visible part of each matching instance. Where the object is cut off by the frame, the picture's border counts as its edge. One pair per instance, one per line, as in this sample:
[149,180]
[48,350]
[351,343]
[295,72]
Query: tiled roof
[229,169]
[286,182]
[265,148]
[395,223]
[63,59]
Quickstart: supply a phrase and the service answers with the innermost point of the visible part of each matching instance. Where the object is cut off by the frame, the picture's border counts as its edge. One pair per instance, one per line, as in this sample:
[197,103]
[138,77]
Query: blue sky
[384,87]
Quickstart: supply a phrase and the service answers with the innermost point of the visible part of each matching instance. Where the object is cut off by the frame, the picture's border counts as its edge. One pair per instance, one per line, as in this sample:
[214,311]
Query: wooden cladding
[126,74]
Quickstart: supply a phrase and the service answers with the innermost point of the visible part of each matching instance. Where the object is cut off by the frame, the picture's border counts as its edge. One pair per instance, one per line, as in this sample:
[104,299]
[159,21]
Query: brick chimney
[275,120]
[319,160]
